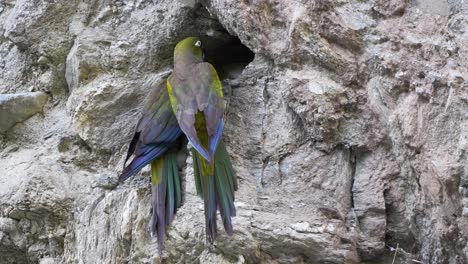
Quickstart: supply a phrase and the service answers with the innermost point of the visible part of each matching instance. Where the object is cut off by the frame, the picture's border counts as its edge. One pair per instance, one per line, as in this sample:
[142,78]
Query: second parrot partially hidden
[189,103]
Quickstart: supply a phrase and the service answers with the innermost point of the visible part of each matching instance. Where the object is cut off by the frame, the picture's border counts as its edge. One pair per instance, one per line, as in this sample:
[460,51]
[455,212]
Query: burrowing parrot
[190,102]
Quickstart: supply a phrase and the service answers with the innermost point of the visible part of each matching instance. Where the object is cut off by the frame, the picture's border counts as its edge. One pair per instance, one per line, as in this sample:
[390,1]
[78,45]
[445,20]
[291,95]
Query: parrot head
[189,48]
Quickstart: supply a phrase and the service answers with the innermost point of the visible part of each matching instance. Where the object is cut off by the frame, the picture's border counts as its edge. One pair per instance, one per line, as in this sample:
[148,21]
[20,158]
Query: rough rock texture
[15,108]
[348,130]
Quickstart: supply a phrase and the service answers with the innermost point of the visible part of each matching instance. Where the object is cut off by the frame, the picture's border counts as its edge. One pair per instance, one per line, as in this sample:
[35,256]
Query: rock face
[346,123]
[15,108]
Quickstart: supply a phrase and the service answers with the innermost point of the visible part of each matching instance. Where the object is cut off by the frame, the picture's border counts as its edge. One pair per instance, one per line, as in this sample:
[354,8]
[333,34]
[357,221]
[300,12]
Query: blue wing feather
[157,130]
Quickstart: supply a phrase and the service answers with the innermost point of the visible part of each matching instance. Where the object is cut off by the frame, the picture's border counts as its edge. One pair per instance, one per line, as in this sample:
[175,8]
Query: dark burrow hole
[225,51]
[229,57]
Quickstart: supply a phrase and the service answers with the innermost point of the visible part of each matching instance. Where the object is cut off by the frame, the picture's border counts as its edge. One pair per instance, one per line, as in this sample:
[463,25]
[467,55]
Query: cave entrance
[225,51]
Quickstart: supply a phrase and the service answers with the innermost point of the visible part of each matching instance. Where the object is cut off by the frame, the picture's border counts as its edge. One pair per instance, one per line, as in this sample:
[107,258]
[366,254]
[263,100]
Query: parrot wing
[156,131]
[198,90]
[154,142]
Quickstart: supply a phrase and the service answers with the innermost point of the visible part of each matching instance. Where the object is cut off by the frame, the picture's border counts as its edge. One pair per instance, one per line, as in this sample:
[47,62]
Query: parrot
[155,141]
[190,104]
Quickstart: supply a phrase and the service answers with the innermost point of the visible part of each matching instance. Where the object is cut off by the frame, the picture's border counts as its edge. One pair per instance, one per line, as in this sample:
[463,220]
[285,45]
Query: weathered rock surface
[348,129]
[15,108]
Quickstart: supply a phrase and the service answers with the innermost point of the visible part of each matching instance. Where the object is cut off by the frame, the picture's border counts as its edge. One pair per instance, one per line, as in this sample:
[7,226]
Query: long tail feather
[226,186]
[166,195]
[217,189]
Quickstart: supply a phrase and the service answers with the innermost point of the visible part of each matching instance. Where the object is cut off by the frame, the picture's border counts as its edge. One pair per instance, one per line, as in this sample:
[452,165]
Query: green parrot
[196,97]
[190,102]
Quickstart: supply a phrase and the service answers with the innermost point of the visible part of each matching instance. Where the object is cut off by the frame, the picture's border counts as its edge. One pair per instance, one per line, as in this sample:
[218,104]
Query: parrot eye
[198,43]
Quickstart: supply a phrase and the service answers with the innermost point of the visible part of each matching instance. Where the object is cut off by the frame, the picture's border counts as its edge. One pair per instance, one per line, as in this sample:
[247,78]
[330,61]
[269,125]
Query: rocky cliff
[347,123]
